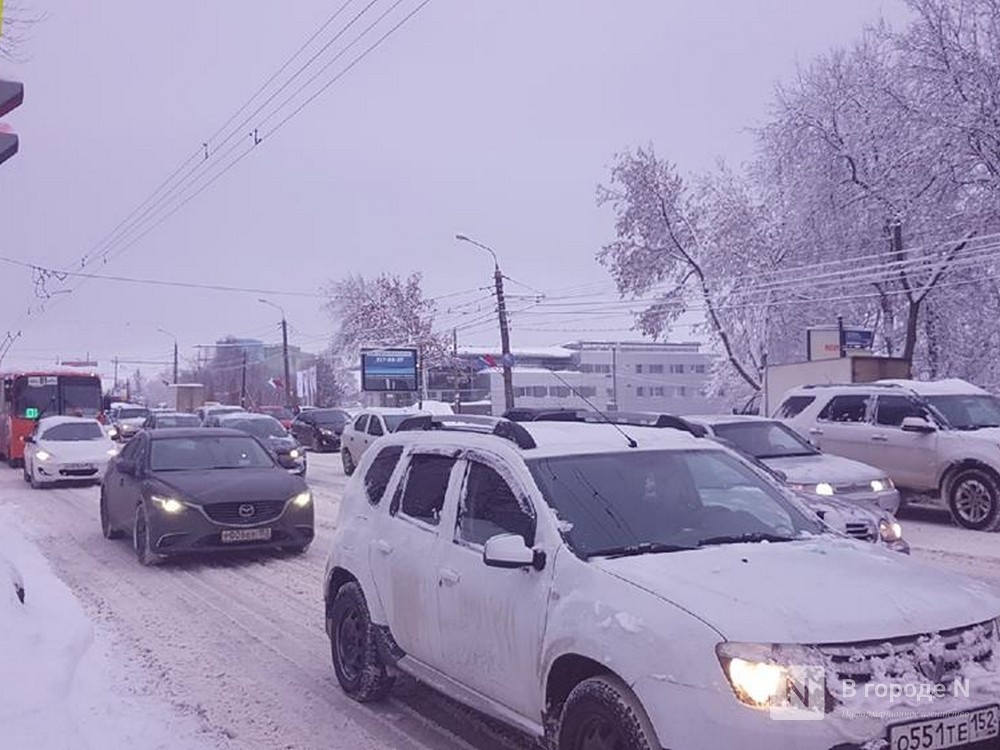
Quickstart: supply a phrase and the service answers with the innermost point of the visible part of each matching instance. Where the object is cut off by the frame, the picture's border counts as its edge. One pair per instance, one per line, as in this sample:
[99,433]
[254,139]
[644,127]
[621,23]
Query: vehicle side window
[128,453]
[306,419]
[792,406]
[380,472]
[852,408]
[361,423]
[892,410]
[490,507]
[426,486]
[375,426]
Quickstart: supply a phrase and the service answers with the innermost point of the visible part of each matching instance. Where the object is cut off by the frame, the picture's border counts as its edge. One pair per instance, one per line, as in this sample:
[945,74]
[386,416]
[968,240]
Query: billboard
[823,342]
[389,370]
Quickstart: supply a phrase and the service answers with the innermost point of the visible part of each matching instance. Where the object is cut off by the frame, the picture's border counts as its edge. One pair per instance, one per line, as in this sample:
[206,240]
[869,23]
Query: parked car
[283,414]
[126,420]
[367,427]
[178,491]
[269,431]
[937,441]
[320,429]
[158,420]
[646,590]
[66,449]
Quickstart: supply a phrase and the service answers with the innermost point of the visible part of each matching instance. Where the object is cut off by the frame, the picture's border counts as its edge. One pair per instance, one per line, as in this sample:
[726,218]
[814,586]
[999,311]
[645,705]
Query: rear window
[426,487]
[793,406]
[180,420]
[74,431]
[380,472]
[852,408]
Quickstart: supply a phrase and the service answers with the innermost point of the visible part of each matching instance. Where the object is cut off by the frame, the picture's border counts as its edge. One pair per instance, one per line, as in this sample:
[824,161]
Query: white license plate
[246,535]
[946,731]
[76,467]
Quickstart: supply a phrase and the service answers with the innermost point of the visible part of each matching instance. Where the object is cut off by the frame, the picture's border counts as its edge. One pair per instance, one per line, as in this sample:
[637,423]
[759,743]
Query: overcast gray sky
[496,119]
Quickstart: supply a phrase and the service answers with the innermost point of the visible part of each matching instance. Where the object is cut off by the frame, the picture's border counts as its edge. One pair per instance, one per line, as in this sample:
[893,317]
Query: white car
[67,449]
[365,428]
[936,440]
[611,586]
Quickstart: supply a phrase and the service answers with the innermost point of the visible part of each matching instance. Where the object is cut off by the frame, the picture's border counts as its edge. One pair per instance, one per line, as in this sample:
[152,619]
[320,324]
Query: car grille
[938,656]
[238,514]
[861,530]
[78,472]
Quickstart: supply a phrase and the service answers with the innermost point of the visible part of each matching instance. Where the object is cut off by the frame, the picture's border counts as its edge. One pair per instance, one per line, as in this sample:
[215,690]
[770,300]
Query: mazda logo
[247,510]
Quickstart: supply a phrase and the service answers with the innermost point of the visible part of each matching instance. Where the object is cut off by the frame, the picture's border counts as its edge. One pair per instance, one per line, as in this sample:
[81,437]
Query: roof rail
[554,414]
[470,423]
[852,385]
[646,419]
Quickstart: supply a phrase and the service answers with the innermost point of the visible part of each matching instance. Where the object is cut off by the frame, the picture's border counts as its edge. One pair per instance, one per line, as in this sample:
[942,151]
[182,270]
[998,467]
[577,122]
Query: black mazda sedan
[202,490]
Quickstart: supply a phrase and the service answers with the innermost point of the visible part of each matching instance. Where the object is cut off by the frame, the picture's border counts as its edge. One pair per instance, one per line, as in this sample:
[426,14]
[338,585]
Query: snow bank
[60,685]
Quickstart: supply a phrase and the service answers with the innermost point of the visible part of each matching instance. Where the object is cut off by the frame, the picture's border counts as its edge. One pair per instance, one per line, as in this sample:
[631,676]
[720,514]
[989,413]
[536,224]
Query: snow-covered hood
[78,450]
[229,485]
[824,467]
[990,434]
[822,590]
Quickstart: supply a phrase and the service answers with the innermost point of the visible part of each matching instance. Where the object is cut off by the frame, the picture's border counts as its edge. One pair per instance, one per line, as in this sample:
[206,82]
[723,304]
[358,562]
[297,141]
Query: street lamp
[168,333]
[290,400]
[508,377]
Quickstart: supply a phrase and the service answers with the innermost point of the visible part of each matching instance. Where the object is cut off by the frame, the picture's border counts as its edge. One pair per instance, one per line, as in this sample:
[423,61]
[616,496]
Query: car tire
[601,712]
[140,539]
[36,483]
[25,475]
[106,529]
[345,456]
[356,661]
[974,499]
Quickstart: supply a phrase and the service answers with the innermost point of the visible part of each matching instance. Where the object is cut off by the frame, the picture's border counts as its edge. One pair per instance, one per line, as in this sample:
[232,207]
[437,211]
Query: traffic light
[11,96]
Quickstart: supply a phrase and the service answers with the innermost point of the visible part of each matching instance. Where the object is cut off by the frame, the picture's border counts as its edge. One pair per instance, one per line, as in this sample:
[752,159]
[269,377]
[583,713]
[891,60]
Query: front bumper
[202,528]
[71,471]
[328,442]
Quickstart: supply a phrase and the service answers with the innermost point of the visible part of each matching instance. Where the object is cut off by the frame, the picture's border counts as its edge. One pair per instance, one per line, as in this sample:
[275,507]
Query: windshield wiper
[787,455]
[629,550]
[754,536]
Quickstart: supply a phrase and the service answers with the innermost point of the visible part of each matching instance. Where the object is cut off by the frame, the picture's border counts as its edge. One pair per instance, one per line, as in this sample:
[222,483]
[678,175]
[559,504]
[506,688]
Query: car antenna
[629,439]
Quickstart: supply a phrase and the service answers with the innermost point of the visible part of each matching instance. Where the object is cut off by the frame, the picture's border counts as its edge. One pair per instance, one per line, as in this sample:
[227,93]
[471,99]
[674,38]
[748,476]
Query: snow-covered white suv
[937,440]
[612,586]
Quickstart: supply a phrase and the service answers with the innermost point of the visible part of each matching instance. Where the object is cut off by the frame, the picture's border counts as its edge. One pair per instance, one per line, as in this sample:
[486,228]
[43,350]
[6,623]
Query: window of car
[764,439]
[305,419]
[425,488]
[847,408]
[262,426]
[392,421]
[375,426]
[208,452]
[892,410]
[380,472]
[131,450]
[793,406]
[133,413]
[361,423]
[69,431]
[176,420]
[489,507]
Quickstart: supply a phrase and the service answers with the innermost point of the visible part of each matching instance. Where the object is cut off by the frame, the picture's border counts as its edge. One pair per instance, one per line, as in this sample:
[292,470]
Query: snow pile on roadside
[60,686]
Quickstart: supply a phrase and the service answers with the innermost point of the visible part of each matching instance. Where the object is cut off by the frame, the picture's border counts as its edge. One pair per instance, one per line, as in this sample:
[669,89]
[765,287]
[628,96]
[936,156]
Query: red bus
[29,396]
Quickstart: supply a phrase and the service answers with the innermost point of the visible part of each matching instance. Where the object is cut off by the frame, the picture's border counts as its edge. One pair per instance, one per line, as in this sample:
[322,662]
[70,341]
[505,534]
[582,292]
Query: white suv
[612,586]
[938,440]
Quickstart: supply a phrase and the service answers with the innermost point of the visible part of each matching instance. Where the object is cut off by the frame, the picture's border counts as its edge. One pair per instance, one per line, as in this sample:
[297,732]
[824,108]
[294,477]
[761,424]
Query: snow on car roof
[946,387]
[59,419]
[713,419]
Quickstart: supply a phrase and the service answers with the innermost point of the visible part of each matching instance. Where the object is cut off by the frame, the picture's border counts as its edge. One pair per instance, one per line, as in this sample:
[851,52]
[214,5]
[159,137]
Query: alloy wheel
[973,501]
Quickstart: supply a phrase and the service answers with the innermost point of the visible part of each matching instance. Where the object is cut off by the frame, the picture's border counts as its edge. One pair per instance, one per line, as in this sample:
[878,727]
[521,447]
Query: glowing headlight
[168,504]
[824,489]
[294,453]
[759,682]
[302,499]
[112,432]
[112,451]
[325,431]
[762,674]
[890,531]
[43,455]
[881,485]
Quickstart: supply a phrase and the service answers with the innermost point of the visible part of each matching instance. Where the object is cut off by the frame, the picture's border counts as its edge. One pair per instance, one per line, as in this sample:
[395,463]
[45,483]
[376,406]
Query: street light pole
[161,330]
[290,400]
[508,376]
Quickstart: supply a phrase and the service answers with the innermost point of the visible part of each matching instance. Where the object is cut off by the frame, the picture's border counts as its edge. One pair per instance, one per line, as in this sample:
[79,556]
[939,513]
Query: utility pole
[508,375]
[614,375]
[243,384]
[175,363]
[291,401]
[116,373]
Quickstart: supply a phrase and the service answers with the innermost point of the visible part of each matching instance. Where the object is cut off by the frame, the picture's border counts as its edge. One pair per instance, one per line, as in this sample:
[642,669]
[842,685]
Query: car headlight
[112,431]
[881,485]
[168,504]
[762,675]
[302,499]
[324,431]
[890,531]
[824,489]
[294,453]
[43,455]
[112,451]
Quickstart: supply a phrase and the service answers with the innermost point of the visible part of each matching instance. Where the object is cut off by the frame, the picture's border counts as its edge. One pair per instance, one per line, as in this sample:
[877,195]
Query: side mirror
[917,424]
[126,467]
[510,551]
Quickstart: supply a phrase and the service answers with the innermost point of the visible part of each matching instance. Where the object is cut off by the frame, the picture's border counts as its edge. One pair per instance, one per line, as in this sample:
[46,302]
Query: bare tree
[15,31]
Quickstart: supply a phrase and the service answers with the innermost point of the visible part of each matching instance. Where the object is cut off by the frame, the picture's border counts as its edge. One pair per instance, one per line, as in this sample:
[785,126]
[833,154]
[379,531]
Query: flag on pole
[487,360]
[276,383]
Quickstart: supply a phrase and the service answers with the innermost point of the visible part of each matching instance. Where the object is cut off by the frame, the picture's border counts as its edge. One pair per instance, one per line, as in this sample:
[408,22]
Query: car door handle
[448,576]
[384,547]
[880,438]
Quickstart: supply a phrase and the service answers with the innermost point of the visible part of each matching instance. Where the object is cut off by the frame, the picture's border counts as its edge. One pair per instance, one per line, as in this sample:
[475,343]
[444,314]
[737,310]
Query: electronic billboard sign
[389,370]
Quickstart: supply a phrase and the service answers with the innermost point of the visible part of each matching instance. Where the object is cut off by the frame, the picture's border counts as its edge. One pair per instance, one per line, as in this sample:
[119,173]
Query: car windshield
[764,439]
[134,413]
[69,431]
[262,427]
[278,412]
[329,418]
[177,420]
[967,411]
[392,421]
[208,452]
[649,501]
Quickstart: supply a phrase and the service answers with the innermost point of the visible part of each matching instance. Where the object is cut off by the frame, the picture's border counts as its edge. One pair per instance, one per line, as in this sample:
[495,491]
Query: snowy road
[237,642]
